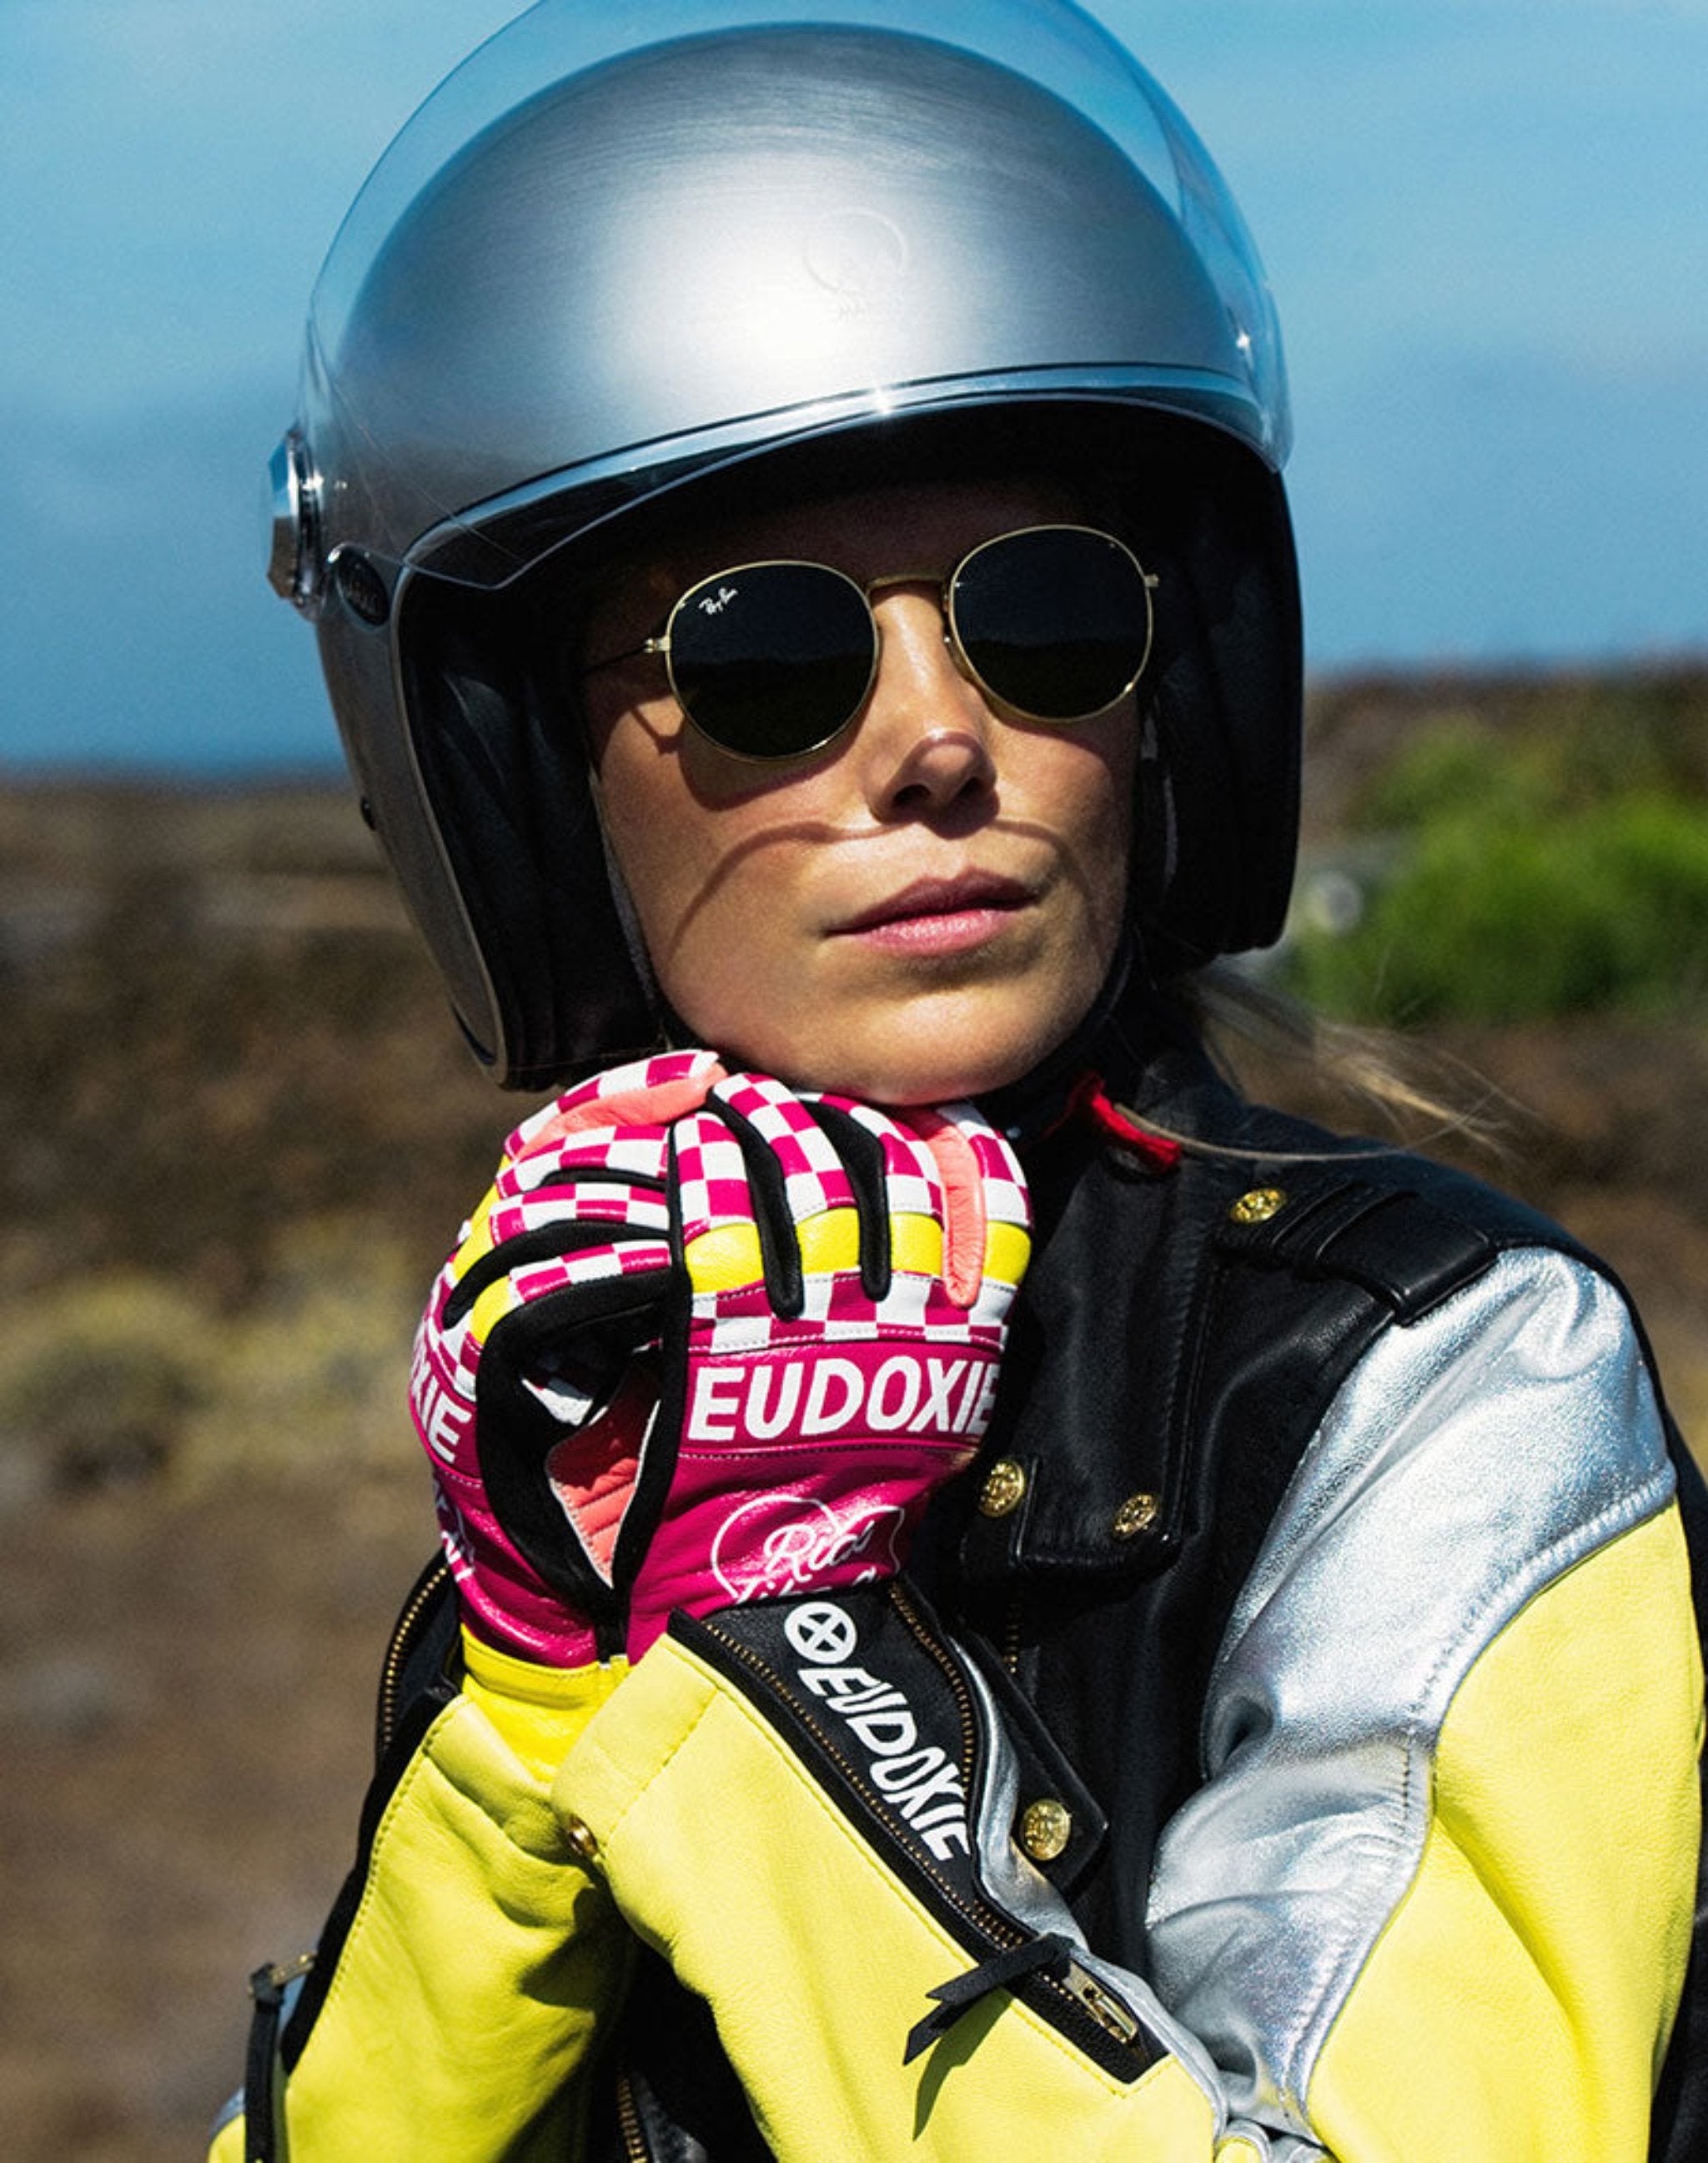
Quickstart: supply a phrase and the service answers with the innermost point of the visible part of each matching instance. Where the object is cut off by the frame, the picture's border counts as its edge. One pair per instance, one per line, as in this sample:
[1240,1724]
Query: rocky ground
[235,1131]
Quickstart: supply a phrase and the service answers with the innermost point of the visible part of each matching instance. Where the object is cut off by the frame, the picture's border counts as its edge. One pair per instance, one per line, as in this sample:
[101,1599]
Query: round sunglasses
[774,660]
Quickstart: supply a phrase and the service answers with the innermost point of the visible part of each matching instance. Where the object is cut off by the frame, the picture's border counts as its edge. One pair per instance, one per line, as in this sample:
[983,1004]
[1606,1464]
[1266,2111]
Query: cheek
[729,950]
[700,864]
[1085,794]
[643,807]
[661,851]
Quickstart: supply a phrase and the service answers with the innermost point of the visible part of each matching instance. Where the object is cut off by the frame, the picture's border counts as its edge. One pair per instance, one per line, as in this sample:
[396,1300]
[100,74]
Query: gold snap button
[1259,1205]
[580,1836]
[1005,1483]
[1045,1829]
[1136,1514]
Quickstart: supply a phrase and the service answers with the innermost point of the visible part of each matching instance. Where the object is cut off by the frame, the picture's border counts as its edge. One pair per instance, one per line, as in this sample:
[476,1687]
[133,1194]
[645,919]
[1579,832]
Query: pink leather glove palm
[706,1341]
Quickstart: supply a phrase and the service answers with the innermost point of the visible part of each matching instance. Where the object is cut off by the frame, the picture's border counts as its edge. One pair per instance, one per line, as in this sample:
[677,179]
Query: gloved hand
[705,1342]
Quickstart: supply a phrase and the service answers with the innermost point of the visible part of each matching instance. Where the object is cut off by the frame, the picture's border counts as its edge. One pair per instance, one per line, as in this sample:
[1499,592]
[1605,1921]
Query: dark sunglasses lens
[1056,622]
[771,660]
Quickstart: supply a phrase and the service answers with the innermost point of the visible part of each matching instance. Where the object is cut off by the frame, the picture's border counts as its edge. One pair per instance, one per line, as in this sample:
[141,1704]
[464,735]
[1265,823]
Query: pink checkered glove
[706,1341]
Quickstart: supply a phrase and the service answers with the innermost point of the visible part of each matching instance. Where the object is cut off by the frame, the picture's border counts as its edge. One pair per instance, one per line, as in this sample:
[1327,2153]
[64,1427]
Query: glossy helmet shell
[628,263]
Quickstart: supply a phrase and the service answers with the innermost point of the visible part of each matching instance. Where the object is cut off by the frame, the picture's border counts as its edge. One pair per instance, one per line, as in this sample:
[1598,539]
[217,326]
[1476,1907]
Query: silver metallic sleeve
[1471,1459]
[1022,1891]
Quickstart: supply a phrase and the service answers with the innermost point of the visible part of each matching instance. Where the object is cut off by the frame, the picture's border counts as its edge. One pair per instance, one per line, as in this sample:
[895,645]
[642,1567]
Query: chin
[904,1087]
[904,1065]
[934,1046]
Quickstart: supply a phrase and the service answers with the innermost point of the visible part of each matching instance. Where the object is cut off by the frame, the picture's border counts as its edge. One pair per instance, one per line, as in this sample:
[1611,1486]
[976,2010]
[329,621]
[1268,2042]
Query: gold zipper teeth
[629,2119]
[1001,1928]
[391,1673]
[287,1971]
[1114,2018]
[962,1696]
[1081,1989]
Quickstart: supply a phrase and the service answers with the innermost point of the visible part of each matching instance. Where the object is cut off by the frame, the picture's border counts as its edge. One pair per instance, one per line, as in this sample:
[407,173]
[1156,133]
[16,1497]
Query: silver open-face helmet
[632,261]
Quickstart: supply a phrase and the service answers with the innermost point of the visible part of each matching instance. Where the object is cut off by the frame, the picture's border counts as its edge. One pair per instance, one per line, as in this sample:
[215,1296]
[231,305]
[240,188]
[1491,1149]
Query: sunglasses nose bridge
[927,586]
[935,584]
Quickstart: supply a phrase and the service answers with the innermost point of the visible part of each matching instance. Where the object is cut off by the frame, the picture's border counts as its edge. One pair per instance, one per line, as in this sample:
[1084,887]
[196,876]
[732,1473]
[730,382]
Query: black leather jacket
[1181,1336]
[1187,1339]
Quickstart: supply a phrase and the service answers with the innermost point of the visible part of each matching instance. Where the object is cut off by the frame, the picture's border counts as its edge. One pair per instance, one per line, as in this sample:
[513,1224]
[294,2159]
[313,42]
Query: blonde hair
[1267,1044]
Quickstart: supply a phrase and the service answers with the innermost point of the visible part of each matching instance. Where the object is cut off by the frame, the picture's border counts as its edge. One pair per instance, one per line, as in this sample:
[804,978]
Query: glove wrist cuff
[538,1711]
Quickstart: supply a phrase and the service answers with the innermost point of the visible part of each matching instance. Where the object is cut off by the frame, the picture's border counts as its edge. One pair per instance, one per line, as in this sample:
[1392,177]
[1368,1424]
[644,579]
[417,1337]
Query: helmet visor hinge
[294,569]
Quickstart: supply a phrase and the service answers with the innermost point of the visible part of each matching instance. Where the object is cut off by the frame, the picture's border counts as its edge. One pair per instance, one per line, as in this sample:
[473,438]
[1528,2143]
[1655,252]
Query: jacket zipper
[998,1929]
[1107,2010]
[635,2148]
[1081,1992]
[398,1651]
[952,1674]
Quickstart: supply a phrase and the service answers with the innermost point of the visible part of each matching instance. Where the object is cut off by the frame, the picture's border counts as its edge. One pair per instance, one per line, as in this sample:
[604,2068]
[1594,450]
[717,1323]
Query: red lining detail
[1090,1102]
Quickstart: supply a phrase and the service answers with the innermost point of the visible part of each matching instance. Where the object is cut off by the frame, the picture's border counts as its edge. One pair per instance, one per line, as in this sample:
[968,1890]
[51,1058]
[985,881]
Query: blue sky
[1486,223]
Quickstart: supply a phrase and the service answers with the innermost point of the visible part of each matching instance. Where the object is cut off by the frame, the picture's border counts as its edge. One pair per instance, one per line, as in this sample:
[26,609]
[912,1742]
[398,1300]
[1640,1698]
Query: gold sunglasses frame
[659,645]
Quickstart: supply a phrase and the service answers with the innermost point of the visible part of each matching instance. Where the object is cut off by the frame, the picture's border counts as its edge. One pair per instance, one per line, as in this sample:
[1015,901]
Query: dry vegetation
[239,1130]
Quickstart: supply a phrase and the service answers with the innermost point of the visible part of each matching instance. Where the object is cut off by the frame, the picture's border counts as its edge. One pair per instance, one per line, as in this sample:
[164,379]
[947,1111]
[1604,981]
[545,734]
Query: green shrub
[1458,769]
[1563,872]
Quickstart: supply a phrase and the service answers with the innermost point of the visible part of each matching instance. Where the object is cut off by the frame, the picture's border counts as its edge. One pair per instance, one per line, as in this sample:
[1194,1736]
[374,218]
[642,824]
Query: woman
[793,516]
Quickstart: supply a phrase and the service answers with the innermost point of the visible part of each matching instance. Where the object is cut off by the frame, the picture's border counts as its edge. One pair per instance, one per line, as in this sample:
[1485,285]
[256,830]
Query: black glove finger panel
[546,1243]
[861,1155]
[602,1325]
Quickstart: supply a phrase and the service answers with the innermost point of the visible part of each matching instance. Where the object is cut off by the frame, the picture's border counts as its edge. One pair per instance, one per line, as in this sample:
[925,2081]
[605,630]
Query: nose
[925,740]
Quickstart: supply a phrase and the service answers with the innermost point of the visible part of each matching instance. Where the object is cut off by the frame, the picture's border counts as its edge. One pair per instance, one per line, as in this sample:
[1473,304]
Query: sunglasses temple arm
[629,653]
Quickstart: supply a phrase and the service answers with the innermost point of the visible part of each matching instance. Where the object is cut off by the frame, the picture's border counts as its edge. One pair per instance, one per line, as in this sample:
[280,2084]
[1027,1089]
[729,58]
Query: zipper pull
[1102,2005]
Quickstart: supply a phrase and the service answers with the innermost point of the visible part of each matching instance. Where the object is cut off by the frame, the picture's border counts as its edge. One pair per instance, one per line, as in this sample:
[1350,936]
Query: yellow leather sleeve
[726,1855]
[1516,2004]
[481,1958]
[1521,1998]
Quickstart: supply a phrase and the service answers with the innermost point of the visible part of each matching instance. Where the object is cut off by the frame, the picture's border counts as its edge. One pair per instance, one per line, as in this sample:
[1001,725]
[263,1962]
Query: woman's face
[923,909]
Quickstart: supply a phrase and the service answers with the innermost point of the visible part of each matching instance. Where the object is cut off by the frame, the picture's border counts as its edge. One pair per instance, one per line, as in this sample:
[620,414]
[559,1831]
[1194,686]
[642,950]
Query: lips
[966,894]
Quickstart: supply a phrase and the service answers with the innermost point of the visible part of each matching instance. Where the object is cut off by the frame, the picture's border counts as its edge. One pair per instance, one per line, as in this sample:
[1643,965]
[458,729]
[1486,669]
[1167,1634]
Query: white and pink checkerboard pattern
[835,1420]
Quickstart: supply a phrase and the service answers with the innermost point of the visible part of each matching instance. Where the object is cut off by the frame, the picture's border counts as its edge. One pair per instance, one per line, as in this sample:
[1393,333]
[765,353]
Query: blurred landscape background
[240,1128]
[237,1127]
